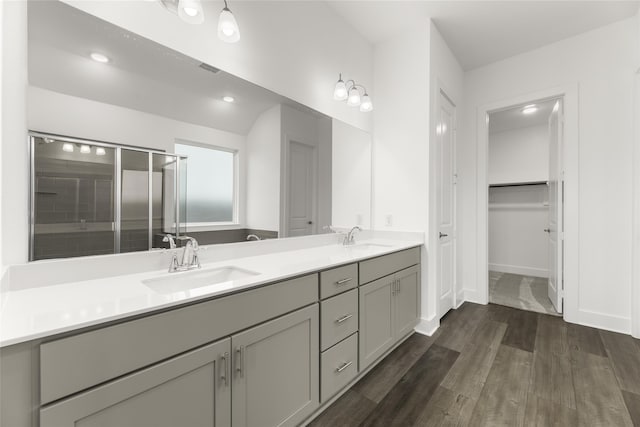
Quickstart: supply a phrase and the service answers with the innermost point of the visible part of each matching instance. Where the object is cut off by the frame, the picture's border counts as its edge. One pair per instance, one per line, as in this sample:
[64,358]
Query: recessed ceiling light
[98,57]
[529,109]
[228,98]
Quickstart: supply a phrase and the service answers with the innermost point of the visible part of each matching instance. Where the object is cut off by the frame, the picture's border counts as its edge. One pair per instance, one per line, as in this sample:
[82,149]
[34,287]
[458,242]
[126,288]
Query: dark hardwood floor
[498,366]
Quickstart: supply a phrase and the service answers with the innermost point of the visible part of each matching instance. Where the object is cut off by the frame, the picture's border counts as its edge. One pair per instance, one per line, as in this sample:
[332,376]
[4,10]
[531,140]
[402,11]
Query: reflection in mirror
[91,198]
[260,164]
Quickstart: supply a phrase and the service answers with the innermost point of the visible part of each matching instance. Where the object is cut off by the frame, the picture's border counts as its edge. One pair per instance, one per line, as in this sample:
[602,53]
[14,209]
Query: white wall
[401,131]
[351,182]
[517,217]
[598,279]
[14,167]
[519,155]
[263,171]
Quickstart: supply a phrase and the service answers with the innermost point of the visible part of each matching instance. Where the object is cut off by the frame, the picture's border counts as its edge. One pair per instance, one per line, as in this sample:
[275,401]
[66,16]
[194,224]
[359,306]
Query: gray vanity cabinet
[389,310]
[193,389]
[377,313]
[276,371]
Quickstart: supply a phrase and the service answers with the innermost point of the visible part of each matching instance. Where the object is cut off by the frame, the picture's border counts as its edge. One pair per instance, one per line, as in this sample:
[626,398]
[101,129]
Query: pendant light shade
[228,30]
[340,92]
[366,105]
[354,97]
[190,11]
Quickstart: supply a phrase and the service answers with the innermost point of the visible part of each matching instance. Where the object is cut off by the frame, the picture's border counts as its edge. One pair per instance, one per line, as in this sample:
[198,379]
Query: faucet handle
[330,229]
[169,238]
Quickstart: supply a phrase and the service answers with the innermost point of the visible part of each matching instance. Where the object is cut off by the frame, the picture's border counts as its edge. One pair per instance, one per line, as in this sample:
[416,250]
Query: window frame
[235,198]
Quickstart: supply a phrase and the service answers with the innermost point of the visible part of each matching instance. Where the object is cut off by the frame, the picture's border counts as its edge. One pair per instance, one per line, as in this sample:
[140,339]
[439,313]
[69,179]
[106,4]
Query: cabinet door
[189,390]
[407,301]
[276,371]
[376,319]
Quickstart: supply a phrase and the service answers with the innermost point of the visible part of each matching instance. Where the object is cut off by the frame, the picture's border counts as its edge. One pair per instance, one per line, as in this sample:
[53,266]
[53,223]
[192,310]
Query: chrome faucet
[252,237]
[350,238]
[189,254]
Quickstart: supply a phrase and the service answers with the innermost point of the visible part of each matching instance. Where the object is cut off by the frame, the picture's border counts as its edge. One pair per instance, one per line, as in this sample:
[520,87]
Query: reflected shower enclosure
[95,198]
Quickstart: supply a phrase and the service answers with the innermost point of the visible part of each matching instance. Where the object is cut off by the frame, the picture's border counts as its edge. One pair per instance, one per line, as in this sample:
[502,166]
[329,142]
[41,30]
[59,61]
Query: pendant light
[228,30]
[190,11]
[350,91]
[340,92]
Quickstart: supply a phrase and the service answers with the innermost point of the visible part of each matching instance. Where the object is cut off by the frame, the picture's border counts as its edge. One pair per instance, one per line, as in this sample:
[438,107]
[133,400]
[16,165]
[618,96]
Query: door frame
[635,283]
[570,160]
[285,184]
[432,299]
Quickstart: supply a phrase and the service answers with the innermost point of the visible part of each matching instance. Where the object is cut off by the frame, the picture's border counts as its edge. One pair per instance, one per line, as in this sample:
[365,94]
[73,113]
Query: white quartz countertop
[39,312]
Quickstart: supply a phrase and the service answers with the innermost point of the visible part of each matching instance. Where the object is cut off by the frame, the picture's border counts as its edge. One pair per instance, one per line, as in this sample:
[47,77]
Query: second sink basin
[184,281]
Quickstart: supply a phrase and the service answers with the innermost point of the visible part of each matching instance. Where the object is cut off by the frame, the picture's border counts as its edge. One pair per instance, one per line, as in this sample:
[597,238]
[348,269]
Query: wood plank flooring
[498,366]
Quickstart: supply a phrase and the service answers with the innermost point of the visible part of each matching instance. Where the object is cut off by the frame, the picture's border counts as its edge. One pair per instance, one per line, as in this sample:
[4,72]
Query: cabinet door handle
[224,367]
[240,361]
[344,318]
[344,366]
[393,288]
[398,286]
[343,281]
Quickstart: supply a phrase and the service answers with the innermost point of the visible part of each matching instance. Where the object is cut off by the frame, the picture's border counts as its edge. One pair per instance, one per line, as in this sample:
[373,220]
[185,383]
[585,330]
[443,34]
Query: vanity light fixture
[100,151]
[67,147]
[85,149]
[190,11]
[228,30]
[351,92]
[99,57]
[228,99]
[529,109]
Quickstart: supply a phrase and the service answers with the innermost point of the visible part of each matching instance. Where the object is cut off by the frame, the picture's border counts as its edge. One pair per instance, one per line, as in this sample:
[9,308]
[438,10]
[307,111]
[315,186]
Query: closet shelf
[514,206]
[517,184]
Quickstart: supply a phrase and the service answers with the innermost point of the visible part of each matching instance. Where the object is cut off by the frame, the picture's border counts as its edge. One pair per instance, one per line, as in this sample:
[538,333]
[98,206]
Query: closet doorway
[525,206]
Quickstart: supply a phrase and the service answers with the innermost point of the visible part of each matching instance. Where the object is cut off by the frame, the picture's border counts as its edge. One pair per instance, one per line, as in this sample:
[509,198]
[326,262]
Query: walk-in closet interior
[519,215]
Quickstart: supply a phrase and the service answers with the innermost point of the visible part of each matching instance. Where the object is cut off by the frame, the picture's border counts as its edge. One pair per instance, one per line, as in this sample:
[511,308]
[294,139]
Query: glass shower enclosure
[96,198]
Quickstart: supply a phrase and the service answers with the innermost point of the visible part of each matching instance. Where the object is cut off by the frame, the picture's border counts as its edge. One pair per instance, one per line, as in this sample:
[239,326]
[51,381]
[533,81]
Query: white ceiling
[481,32]
[513,118]
[142,74]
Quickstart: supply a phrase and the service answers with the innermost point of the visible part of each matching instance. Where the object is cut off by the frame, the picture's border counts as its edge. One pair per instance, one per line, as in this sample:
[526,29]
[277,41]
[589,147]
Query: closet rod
[518,184]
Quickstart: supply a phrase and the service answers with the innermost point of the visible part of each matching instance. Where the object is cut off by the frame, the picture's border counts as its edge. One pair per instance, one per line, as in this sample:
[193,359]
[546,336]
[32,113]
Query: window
[211,184]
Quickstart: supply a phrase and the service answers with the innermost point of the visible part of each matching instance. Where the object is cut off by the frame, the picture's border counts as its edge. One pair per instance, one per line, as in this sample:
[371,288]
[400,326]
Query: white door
[301,193]
[445,139]
[556,188]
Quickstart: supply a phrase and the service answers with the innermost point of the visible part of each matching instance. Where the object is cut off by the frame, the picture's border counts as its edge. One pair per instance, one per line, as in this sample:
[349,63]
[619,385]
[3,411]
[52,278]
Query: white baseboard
[607,322]
[427,326]
[475,296]
[518,269]
[460,299]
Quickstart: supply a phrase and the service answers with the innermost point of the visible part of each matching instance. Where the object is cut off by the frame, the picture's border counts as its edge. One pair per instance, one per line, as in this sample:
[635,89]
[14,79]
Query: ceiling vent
[210,68]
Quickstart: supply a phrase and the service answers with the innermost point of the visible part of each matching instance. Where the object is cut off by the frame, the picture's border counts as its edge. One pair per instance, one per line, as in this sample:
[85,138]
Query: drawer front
[71,364]
[376,268]
[338,318]
[338,280]
[338,366]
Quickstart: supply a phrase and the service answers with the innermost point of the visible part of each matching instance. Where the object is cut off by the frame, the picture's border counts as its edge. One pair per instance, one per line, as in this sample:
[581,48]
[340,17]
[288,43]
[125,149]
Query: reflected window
[210,184]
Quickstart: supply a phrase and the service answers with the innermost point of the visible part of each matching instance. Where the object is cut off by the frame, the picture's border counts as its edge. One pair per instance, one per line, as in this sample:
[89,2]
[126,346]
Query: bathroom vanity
[261,347]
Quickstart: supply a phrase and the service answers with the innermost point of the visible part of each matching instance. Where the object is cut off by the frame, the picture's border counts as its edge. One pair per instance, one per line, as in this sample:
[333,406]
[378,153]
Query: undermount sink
[367,246]
[184,281]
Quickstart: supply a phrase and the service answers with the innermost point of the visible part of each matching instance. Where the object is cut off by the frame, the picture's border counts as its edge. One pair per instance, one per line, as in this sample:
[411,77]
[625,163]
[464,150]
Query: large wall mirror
[258,165]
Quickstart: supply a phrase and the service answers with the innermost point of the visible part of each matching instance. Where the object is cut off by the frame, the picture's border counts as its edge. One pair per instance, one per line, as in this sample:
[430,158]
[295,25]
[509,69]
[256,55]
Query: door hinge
[455,178]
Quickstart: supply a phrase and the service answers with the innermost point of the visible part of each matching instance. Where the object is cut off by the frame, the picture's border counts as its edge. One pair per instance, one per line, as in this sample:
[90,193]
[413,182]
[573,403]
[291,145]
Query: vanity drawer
[337,280]
[338,366]
[75,363]
[338,318]
[376,268]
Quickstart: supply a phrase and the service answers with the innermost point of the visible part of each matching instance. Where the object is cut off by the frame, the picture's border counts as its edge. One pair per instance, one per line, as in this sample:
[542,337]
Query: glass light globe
[366,105]
[354,97]
[228,30]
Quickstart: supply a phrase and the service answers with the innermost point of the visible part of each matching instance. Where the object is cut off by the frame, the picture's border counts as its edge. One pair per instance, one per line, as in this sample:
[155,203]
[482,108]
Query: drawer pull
[344,318]
[343,281]
[225,370]
[240,361]
[344,366]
